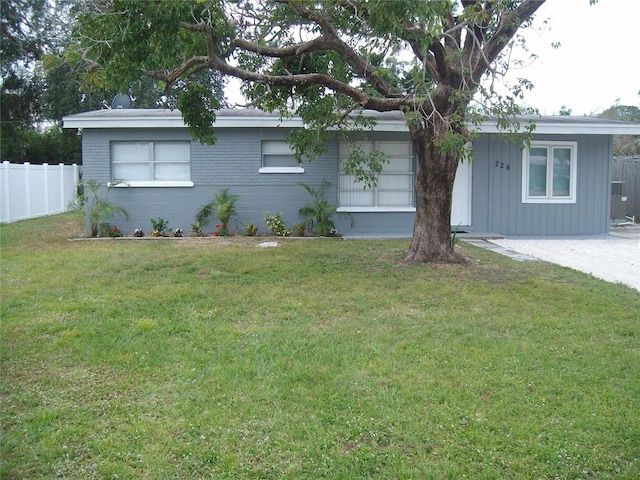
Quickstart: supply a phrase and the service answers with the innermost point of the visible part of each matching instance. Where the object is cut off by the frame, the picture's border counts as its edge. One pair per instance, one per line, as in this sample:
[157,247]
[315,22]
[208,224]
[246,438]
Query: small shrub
[115,232]
[196,229]
[276,225]
[299,229]
[221,230]
[160,227]
[109,230]
[251,230]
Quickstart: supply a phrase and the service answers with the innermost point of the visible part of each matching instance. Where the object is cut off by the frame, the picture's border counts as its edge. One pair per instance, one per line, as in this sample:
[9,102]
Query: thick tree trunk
[431,241]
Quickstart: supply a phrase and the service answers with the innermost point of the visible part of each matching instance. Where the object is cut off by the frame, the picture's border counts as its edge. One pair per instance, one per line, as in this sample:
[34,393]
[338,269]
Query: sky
[597,63]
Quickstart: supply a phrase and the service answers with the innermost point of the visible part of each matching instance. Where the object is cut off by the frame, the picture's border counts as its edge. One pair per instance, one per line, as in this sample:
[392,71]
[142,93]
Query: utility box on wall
[618,200]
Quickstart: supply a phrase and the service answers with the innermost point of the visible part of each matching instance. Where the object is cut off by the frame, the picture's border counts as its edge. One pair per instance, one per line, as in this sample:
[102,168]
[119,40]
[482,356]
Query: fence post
[27,187]
[76,181]
[47,207]
[6,198]
[61,170]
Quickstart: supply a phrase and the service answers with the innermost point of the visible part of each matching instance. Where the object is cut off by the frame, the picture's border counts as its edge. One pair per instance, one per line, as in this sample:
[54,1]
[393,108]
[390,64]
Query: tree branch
[348,54]
[509,24]
[314,45]
[366,101]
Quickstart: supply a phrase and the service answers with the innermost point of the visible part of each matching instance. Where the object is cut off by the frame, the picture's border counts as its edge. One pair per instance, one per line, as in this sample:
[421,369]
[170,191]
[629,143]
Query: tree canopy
[329,62]
[44,77]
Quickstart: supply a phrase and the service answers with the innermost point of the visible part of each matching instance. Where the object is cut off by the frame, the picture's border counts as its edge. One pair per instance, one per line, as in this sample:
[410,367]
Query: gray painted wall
[234,161]
[497,192]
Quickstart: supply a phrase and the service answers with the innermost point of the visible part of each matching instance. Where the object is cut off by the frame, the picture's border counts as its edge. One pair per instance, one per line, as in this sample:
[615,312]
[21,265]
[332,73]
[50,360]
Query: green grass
[321,358]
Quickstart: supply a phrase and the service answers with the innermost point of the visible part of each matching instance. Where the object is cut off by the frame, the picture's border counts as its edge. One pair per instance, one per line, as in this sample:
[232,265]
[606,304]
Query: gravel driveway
[614,258]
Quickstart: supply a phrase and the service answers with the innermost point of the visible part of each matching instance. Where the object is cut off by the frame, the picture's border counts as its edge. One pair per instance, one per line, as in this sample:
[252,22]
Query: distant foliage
[624,145]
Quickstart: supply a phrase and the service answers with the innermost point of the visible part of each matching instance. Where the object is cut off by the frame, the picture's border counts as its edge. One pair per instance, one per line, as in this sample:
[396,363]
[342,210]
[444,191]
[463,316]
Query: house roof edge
[386,121]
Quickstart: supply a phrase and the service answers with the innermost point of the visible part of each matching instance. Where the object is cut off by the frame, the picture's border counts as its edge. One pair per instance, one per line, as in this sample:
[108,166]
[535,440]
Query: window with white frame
[394,190]
[151,163]
[278,157]
[549,172]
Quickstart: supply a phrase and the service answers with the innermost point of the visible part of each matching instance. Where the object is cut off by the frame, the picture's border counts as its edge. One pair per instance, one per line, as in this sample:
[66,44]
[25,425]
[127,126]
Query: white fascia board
[256,122]
[173,119]
[568,128]
[119,123]
[114,119]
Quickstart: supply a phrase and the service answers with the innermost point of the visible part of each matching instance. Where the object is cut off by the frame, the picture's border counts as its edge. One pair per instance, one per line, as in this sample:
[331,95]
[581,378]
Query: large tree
[328,61]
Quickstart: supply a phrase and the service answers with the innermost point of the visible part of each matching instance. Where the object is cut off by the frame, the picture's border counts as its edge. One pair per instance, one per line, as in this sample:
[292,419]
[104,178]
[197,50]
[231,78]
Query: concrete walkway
[614,258]
[490,245]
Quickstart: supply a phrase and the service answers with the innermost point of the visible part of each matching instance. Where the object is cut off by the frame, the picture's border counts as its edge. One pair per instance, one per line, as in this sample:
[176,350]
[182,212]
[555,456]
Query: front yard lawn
[320,358]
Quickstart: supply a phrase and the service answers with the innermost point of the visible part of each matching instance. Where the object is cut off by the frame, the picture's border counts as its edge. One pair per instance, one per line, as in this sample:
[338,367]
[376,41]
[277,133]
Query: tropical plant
[300,228]
[160,227]
[318,212]
[97,206]
[250,229]
[196,229]
[222,207]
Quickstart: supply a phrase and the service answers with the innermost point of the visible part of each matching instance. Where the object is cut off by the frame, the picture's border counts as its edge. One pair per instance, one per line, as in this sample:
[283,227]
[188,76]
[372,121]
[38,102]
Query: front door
[461,208]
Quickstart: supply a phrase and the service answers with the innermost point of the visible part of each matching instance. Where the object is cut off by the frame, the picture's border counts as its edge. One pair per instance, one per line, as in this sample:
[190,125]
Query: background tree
[624,145]
[32,31]
[21,46]
[45,77]
[328,62]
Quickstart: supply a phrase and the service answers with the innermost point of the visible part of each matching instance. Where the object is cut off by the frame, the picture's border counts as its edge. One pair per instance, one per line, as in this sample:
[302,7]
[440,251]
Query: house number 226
[503,165]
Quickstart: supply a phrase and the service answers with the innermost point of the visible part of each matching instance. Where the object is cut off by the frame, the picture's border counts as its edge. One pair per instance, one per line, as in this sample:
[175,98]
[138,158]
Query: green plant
[196,229]
[299,229]
[276,225]
[222,207]
[250,229]
[454,237]
[97,206]
[220,231]
[114,231]
[319,213]
[160,227]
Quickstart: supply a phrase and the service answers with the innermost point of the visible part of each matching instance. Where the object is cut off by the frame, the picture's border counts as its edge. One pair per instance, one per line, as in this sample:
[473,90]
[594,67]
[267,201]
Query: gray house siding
[235,159]
[232,162]
[497,190]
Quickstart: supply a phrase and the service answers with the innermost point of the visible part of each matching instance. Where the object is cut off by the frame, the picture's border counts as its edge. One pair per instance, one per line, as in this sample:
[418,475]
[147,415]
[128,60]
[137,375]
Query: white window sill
[281,170]
[376,209]
[155,184]
[549,200]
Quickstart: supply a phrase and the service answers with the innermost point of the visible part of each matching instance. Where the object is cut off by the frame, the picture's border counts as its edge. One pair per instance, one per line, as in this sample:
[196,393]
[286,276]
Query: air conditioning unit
[618,200]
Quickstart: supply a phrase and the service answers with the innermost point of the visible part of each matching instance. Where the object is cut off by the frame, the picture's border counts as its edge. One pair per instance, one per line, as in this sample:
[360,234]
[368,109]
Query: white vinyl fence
[28,191]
